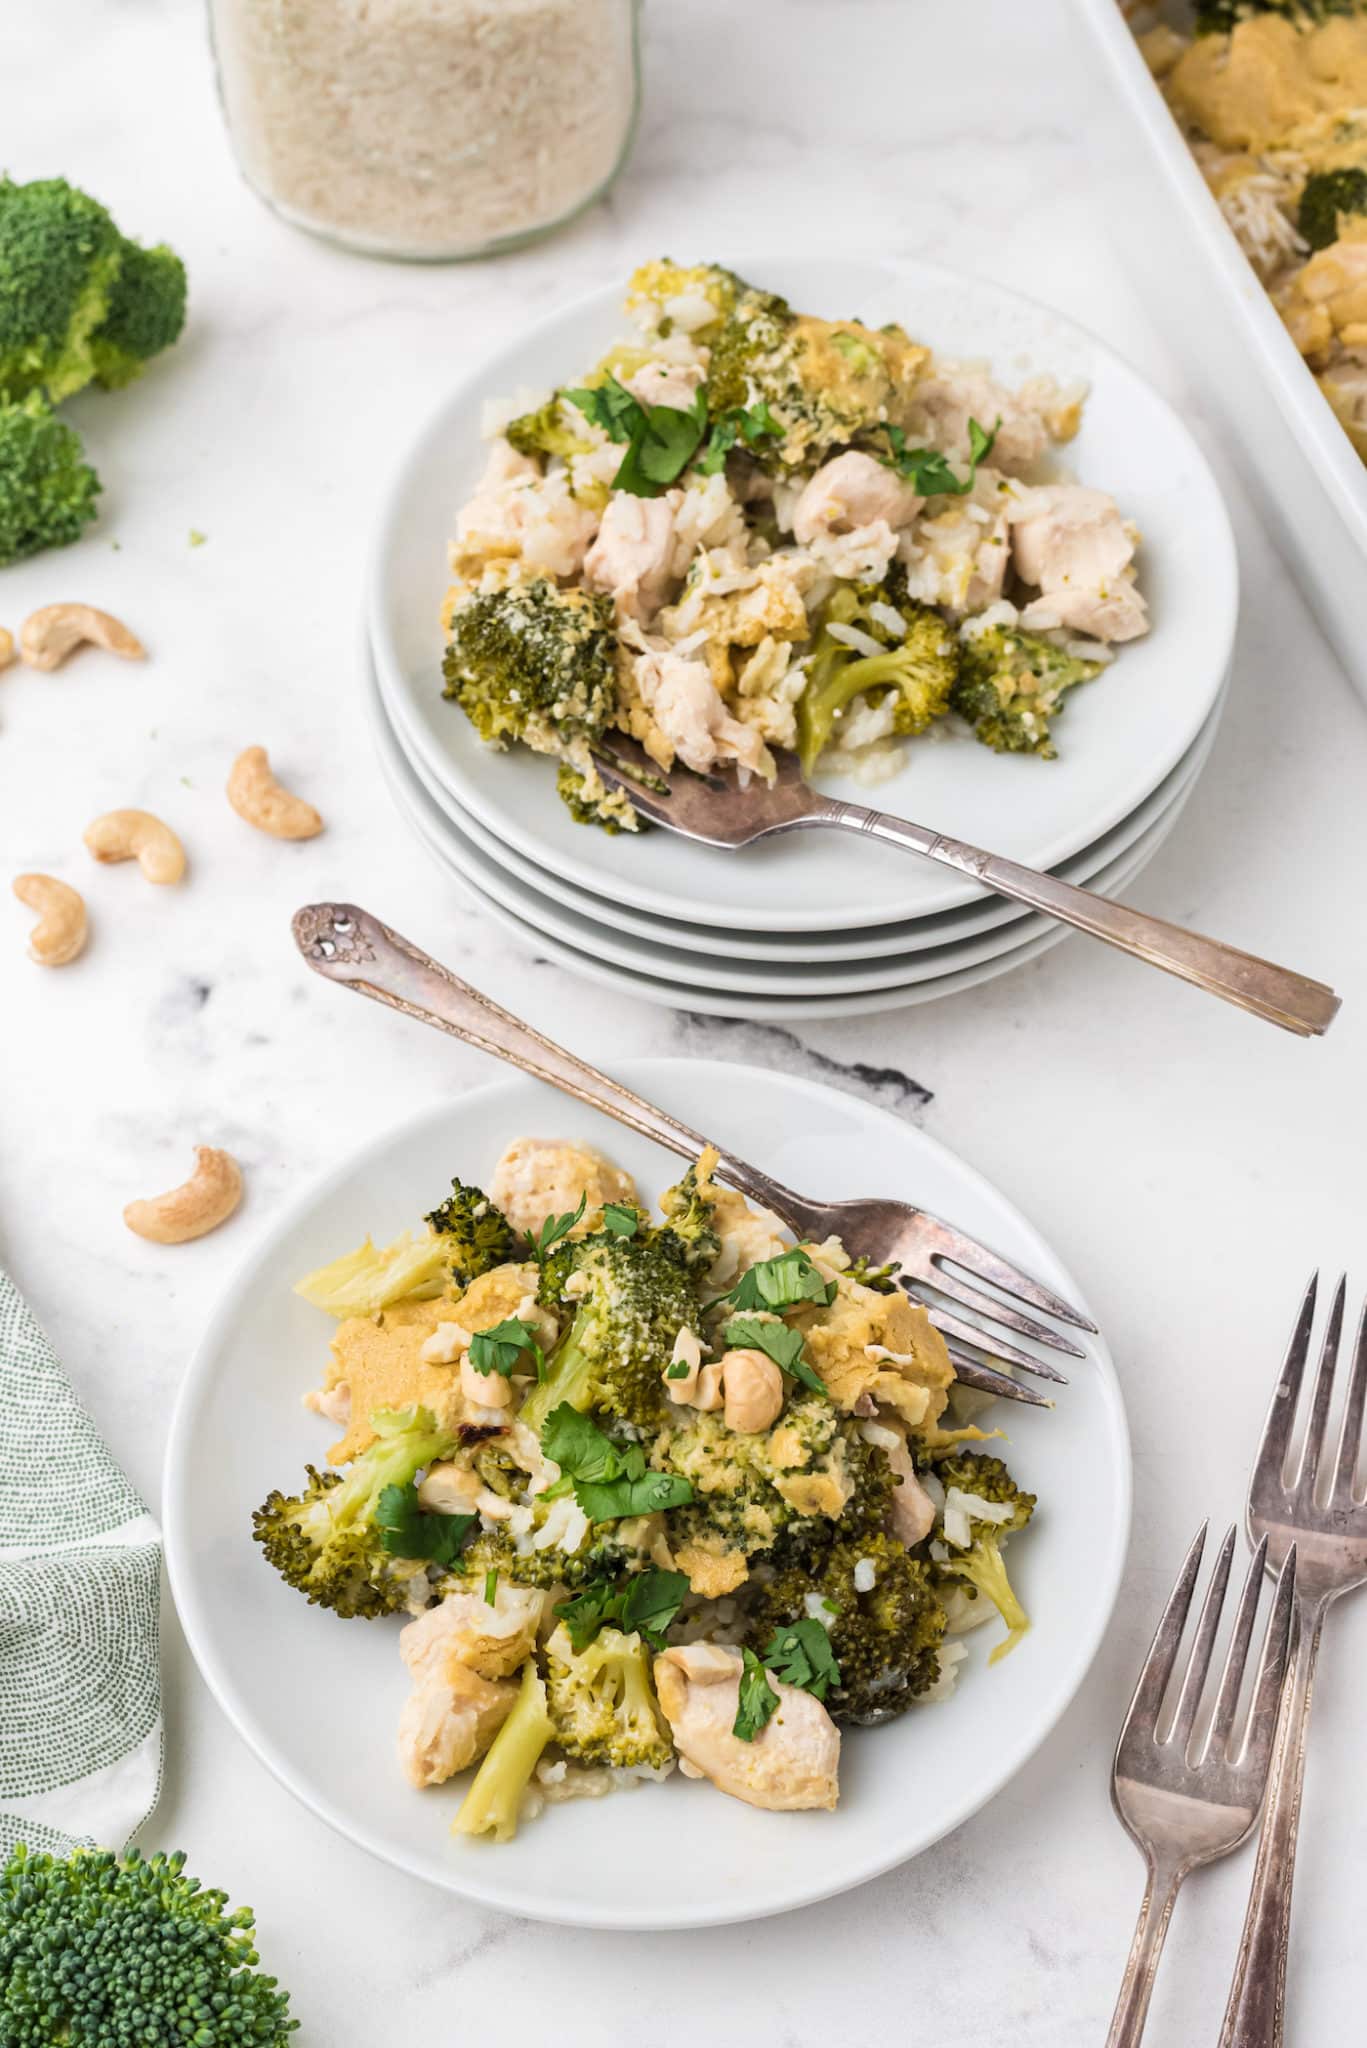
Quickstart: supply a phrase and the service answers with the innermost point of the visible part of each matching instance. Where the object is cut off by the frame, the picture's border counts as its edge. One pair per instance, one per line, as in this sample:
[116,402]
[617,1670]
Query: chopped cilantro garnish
[661,440]
[621,1219]
[556,1227]
[757,1699]
[407,1531]
[781,1283]
[776,1341]
[610,1479]
[647,1601]
[498,1349]
[491,1588]
[928,471]
[801,1654]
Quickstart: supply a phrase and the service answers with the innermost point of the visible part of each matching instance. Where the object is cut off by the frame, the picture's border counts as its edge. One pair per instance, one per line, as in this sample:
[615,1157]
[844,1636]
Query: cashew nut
[137,835]
[699,1385]
[197,1206]
[753,1386]
[48,635]
[60,931]
[6,647]
[483,1389]
[256,796]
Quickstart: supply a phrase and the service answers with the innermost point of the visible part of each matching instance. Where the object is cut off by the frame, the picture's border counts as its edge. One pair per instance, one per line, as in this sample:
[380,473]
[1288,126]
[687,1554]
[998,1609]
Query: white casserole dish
[1296,459]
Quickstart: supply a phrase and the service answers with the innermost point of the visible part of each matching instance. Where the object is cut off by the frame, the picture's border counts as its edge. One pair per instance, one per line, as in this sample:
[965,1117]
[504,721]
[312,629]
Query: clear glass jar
[428,129]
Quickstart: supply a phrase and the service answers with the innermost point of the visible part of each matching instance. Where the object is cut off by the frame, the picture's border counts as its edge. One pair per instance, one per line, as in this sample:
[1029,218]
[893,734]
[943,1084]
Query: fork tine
[996,1347]
[971,1372]
[1350,1436]
[1270,1463]
[998,1312]
[1267,1693]
[1236,1658]
[985,1264]
[1318,1430]
[1202,1649]
[1147,1703]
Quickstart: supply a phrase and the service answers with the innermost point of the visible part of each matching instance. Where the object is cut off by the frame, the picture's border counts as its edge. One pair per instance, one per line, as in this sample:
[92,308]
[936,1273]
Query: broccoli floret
[475,1236]
[882,1279]
[491,1805]
[548,431]
[752,1492]
[146,313]
[885,1639]
[920,667]
[638,1296]
[689,1208]
[590,802]
[59,256]
[602,1703]
[534,663]
[981,1566]
[1327,195]
[1218,17]
[106,1951]
[496,1550]
[47,492]
[1010,685]
[327,1541]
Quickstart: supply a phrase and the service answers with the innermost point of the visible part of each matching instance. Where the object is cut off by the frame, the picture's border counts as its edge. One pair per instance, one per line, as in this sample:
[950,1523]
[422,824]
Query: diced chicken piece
[792,1763]
[958,559]
[448,1722]
[519,515]
[673,384]
[1072,543]
[691,715]
[912,1515]
[630,556]
[332,1402]
[1030,418]
[464,1629]
[852,491]
[541,1177]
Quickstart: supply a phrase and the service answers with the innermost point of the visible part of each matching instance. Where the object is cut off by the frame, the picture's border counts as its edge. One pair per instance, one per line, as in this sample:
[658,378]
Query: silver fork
[1187,1801]
[935,1262]
[1316,1511]
[715,809]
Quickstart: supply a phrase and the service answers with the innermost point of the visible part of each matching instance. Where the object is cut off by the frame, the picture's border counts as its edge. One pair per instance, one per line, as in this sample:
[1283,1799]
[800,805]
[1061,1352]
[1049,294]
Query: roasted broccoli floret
[492,1804]
[59,256]
[106,1951]
[590,802]
[496,1550]
[918,667]
[602,1703]
[47,492]
[688,1208]
[475,1236]
[1218,17]
[638,1295]
[533,663]
[885,1635]
[979,1565]
[146,313]
[1326,196]
[328,1541]
[1010,686]
[550,430]
[786,1486]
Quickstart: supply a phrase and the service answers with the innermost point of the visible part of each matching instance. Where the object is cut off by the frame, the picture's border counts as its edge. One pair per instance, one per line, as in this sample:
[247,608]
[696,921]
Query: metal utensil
[1315,1511]
[936,1263]
[716,809]
[1187,1800]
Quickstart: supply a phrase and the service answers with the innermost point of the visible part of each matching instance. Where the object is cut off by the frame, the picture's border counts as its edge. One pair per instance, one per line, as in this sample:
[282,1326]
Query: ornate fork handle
[348,945]
[1275,993]
[1151,1930]
[1257,2000]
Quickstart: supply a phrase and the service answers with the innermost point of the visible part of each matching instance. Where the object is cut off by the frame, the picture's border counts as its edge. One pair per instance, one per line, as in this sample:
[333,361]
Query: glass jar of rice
[428,128]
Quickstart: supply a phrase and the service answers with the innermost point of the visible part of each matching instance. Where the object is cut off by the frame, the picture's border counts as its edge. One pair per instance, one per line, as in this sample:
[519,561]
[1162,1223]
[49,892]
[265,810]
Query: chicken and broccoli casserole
[1272,95]
[748,528]
[653,1493]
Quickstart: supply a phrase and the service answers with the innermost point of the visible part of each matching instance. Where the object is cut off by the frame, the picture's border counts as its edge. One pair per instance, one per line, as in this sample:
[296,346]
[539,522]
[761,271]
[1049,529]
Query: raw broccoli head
[146,313]
[918,667]
[1010,685]
[47,492]
[59,256]
[109,1950]
[638,1295]
[689,1208]
[475,1235]
[533,663]
[327,1541]
[602,1703]
[980,1567]
[885,1640]
[1327,195]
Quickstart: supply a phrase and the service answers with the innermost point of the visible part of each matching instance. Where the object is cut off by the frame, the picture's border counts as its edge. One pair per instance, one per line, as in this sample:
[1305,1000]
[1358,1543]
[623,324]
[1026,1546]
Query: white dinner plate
[318,1699]
[1122,734]
[869,959]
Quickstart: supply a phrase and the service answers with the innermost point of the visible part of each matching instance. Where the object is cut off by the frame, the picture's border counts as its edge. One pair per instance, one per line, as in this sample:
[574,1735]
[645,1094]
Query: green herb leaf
[750,424]
[491,1588]
[610,1479]
[578,1446]
[649,1494]
[647,1601]
[556,1227]
[498,1349]
[662,445]
[801,1654]
[679,1370]
[928,471]
[609,406]
[757,1699]
[620,1219]
[781,1283]
[778,1342]
[406,1530]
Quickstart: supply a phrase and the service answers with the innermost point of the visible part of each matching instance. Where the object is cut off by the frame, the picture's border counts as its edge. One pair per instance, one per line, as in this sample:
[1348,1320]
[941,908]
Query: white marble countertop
[1191,1165]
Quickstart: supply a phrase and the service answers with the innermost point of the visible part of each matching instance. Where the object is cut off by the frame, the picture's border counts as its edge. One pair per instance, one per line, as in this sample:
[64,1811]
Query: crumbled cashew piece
[753,1387]
[256,796]
[137,835]
[484,1389]
[197,1206]
[6,647]
[60,932]
[445,1345]
[50,634]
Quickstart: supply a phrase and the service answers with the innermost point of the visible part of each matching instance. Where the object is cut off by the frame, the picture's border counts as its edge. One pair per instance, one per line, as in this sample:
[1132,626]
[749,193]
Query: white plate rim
[639,1073]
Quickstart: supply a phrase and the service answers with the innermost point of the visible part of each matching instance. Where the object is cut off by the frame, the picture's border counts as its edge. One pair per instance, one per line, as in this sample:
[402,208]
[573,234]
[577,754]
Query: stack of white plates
[822,923]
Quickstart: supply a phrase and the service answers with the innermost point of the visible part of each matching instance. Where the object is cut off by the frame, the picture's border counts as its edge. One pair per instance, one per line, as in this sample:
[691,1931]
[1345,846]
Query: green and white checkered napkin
[80,1586]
